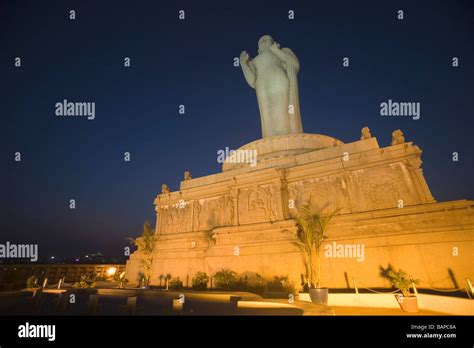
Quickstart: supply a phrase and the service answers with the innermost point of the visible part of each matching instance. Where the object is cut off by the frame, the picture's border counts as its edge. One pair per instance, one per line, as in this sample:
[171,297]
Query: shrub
[255,284]
[225,279]
[280,284]
[176,284]
[31,282]
[142,279]
[120,279]
[87,281]
[200,281]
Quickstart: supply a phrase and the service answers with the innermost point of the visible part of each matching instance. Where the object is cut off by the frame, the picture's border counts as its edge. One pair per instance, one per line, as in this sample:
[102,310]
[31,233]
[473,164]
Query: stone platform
[242,218]
[273,148]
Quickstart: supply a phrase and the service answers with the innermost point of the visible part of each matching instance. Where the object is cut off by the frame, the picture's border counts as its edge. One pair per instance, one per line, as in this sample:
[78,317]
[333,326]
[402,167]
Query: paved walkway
[312,309]
[380,311]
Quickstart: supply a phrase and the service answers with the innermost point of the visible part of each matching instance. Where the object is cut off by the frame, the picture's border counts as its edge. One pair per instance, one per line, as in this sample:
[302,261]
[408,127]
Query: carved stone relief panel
[175,218]
[380,188]
[213,212]
[257,204]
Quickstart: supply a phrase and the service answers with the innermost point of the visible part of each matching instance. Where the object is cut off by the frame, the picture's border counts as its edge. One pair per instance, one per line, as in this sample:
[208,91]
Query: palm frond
[312,225]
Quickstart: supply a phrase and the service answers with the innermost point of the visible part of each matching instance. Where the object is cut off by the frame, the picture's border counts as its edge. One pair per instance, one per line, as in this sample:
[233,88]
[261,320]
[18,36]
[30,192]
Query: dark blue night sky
[190,62]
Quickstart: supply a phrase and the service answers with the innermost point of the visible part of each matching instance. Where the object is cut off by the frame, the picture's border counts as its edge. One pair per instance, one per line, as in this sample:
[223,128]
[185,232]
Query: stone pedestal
[242,218]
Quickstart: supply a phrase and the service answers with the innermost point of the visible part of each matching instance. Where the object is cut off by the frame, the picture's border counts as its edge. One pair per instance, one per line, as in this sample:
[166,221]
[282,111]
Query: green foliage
[312,226]
[32,282]
[142,279]
[120,279]
[176,284]
[146,245]
[200,281]
[280,284]
[87,281]
[225,279]
[147,241]
[228,280]
[254,284]
[402,281]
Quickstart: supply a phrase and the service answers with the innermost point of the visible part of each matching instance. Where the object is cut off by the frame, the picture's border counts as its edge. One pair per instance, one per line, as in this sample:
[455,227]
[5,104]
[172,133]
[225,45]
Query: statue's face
[264,43]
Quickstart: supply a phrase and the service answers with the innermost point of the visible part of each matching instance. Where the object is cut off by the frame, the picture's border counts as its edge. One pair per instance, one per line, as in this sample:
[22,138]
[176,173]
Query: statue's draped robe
[277,93]
[292,68]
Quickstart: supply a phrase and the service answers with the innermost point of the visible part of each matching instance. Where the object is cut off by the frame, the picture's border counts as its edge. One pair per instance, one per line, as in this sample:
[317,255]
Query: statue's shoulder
[256,61]
[288,50]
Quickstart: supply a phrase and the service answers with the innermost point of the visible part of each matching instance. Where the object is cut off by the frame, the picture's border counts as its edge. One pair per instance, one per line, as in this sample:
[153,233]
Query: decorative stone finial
[397,137]
[365,133]
[187,175]
[165,189]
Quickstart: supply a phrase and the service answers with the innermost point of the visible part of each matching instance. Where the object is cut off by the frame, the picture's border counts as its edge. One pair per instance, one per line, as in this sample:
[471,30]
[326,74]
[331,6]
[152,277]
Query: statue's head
[264,43]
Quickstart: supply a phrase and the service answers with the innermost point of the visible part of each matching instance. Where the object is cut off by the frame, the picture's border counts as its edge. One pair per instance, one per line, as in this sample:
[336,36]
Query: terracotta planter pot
[408,304]
[319,296]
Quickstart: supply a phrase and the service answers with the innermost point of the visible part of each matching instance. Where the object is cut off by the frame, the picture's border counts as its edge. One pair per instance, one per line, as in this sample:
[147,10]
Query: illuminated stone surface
[272,73]
[241,218]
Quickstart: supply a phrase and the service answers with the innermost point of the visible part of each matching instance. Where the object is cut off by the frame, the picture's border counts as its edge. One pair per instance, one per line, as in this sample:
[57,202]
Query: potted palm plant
[146,246]
[401,280]
[312,226]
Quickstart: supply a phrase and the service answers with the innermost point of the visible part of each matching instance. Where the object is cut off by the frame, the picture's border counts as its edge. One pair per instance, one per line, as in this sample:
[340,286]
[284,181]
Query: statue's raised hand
[244,57]
[275,45]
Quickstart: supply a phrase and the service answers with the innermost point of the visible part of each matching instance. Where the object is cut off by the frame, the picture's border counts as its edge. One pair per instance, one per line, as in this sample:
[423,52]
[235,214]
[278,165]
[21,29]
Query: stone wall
[421,240]
[242,218]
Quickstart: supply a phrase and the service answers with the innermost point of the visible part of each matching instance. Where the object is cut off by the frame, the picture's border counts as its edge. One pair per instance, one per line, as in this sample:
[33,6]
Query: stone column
[420,178]
[281,196]
[158,217]
[234,192]
[416,172]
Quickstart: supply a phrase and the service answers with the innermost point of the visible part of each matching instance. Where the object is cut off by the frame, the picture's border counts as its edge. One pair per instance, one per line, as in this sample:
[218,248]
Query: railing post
[355,285]
[45,282]
[469,284]
[60,283]
[414,288]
